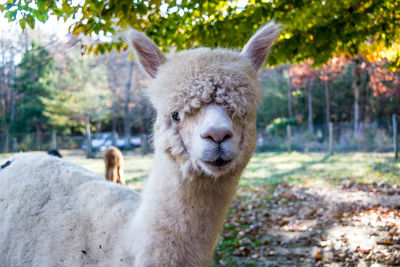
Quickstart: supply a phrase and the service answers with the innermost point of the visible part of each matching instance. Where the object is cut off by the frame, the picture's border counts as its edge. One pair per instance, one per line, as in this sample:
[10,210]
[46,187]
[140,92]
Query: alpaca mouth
[219,162]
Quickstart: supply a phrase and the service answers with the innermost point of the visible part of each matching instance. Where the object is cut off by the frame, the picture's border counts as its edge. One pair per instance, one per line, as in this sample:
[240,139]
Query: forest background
[333,62]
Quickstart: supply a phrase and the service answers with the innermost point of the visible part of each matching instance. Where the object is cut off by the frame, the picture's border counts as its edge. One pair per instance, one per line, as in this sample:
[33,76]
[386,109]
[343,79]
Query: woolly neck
[179,220]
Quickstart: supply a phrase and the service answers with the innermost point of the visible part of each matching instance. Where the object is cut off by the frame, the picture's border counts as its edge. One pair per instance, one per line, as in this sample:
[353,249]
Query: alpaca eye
[175,116]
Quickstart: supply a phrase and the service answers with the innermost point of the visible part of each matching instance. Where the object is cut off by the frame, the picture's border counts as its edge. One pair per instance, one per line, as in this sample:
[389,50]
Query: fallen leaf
[385,242]
[283,222]
[318,256]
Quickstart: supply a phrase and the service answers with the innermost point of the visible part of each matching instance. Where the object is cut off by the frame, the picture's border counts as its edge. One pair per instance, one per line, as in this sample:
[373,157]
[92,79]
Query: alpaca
[55,213]
[114,161]
[54,152]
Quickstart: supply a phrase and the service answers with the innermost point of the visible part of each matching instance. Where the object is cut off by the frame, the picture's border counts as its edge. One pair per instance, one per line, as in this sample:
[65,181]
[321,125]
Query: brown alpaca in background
[114,163]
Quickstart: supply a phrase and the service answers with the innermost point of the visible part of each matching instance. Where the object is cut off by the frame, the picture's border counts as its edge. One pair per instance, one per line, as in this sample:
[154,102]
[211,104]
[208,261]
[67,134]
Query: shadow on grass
[282,177]
[388,166]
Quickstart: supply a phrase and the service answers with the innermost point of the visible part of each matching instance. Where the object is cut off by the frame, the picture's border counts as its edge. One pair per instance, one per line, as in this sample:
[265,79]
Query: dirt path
[354,225]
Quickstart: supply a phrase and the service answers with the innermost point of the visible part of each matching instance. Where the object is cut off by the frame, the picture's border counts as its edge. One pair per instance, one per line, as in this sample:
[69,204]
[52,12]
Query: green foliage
[274,83]
[34,84]
[313,29]
[26,143]
[82,91]
[342,95]
[274,100]
[278,125]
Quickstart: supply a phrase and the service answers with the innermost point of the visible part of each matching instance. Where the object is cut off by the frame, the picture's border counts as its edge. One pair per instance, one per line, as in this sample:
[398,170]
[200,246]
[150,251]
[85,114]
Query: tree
[386,84]
[82,94]
[129,103]
[302,76]
[360,67]
[274,100]
[33,84]
[9,48]
[327,73]
[313,29]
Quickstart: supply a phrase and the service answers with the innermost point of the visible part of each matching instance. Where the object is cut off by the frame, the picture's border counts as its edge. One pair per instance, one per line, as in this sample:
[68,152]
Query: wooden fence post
[289,138]
[330,138]
[395,136]
[144,144]
[14,145]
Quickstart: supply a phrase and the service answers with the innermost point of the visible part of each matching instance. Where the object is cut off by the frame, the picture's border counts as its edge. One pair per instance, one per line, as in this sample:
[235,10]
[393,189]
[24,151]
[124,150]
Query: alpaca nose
[217,135]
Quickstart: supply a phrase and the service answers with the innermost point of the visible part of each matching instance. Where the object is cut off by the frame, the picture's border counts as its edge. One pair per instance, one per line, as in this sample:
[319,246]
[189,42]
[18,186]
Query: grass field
[301,209]
[315,169]
[312,169]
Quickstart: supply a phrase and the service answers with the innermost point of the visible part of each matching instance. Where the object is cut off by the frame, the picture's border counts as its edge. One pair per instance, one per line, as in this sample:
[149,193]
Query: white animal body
[55,213]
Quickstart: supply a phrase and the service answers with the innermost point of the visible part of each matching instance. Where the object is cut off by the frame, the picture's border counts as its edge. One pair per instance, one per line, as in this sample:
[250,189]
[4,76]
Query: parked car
[100,141]
[136,141]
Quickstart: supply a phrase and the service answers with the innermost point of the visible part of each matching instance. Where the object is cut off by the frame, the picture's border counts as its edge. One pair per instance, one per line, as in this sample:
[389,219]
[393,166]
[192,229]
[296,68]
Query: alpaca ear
[259,45]
[146,52]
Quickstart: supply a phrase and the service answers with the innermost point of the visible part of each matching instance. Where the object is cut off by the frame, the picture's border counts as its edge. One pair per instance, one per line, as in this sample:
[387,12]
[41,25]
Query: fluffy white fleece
[55,213]
[64,215]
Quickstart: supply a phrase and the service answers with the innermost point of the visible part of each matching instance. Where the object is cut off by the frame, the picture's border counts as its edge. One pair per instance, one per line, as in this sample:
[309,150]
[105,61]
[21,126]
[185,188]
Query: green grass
[136,167]
[312,169]
[317,169]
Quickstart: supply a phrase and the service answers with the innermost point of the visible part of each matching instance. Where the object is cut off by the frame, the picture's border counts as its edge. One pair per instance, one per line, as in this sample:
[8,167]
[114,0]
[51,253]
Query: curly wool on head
[191,79]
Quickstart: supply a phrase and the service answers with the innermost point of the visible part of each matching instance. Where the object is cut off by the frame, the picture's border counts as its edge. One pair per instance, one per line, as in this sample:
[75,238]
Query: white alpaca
[54,213]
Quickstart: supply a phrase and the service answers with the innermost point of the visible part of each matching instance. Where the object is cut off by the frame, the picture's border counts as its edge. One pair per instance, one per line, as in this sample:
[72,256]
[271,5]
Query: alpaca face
[206,101]
[211,141]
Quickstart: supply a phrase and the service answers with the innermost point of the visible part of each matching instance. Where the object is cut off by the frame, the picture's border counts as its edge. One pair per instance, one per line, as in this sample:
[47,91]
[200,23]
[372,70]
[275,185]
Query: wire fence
[377,136]
[31,141]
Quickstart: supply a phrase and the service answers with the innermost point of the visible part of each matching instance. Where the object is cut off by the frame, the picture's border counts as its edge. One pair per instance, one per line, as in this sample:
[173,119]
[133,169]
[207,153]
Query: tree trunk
[327,102]
[3,99]
[289,89]
[363,101]
[127,119]
[38,136]
[357,89]
[114,118]
[114,128]
[289,138]
[330,127]
[14,146]
[54,139]
[98,126]
[395,136]
[12,74]
[310,108]
[357,103]
[10,86]
[89,153]
[112,73]
[7,106]
[6,138]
